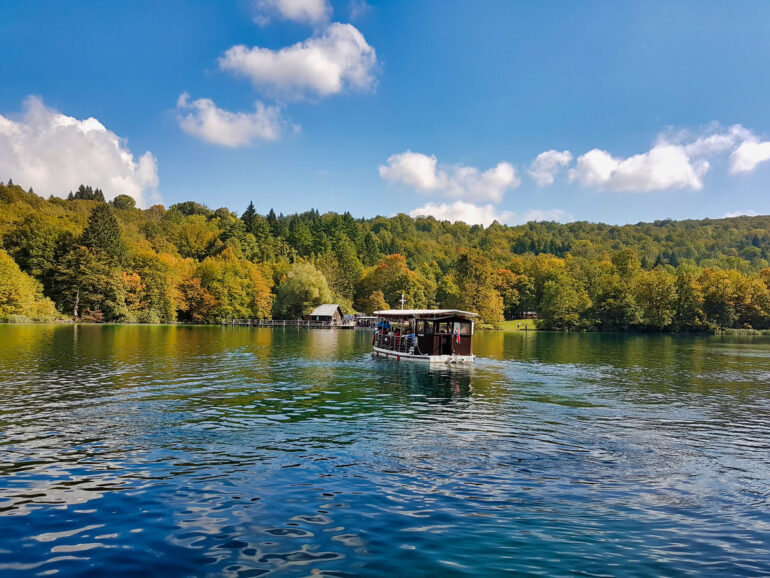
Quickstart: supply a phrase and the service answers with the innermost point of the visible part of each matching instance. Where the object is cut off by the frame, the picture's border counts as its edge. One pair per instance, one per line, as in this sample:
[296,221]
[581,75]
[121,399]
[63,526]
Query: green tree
[300,237]
[753,304]
[720,297]
[190,208]
[157,303]
[86,193]
[655,294]
[103,233]
[626,262]
[302,289]
[393,277]
[195,237]
[475,281]
[240,288]
[689,302]
[21,296]
[507,284]
[341,268]
[249,218]
[89,285]
[123,202]
[613,305]
[448,293]
[375,302]
[37,242]
[370,250]
[563,304]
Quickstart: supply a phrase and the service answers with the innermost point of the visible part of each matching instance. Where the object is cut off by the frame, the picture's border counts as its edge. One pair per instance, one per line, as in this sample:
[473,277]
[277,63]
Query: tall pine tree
[249,218]
[103,233]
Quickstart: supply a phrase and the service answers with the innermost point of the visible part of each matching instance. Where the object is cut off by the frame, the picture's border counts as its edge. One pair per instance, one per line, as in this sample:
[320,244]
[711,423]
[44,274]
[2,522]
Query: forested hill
[111,261]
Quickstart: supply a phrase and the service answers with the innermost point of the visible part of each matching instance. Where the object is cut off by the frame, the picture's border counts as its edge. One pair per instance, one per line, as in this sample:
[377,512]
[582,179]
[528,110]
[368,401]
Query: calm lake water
[165,451]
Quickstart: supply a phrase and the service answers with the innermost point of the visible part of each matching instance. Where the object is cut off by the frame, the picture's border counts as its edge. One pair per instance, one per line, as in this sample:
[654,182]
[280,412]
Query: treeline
[83,258]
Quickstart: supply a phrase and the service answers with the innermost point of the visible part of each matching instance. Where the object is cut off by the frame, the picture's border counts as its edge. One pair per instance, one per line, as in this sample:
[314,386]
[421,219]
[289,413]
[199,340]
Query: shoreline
[727,332]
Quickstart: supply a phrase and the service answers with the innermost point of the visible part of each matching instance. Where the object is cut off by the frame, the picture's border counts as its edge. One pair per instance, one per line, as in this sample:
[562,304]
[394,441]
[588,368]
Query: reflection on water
[243,452]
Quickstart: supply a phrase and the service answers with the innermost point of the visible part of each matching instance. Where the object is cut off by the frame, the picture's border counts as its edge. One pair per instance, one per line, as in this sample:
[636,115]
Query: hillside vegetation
[89,260]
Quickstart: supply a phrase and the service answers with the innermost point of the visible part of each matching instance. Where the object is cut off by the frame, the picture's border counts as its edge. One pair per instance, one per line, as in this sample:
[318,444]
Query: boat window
[465,328]
[424,327]
[444,327]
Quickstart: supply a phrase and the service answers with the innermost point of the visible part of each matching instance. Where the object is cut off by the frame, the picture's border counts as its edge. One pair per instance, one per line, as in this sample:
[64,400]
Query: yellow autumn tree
[21,296]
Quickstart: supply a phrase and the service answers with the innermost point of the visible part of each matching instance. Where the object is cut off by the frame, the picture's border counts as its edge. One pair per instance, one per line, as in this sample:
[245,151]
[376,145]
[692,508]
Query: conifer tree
[249,218]
[272,220]
[103,233]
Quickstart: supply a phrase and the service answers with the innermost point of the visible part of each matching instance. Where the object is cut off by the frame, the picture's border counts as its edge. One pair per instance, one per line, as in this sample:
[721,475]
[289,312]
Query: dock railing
[284,323]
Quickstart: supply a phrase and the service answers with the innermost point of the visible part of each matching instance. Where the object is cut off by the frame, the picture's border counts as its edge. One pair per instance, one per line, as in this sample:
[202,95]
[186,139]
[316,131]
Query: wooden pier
[287,323]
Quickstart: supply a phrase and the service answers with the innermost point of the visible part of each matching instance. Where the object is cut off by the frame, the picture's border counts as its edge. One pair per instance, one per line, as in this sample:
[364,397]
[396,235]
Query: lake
[174,450]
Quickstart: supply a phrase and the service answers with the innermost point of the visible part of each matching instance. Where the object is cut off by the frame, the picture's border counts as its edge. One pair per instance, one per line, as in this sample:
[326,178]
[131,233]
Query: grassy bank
[512,325]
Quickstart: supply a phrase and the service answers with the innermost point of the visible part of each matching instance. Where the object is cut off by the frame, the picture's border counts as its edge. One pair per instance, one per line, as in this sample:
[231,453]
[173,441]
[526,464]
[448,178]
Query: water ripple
[249,452]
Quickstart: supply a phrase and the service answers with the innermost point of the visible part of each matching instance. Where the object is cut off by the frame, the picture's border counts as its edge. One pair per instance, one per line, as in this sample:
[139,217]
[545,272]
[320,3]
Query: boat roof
[423,313]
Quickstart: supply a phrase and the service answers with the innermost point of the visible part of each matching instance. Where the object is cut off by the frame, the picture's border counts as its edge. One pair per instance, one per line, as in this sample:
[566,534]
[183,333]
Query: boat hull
[432,359]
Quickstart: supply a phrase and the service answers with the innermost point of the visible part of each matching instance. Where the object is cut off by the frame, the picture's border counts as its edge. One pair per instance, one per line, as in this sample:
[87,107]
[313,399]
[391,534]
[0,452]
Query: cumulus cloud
[303,11]
[748,213]
[54,153]
[665,166]
[358,9]
[203,119]
[748,155]
[676,161]
[544,168]
[548,215]
[337,60]
[713,141]
[485,215]
[461,211]
[423,173]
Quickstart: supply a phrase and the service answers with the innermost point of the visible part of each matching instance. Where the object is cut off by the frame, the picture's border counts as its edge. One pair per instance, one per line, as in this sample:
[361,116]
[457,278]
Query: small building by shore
[326,313]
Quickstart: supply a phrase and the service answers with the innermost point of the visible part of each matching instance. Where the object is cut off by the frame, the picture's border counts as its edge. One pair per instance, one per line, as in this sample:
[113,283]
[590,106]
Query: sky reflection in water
[243,452]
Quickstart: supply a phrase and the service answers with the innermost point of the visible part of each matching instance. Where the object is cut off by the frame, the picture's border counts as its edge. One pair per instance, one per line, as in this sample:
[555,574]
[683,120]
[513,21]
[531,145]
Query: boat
[442,336]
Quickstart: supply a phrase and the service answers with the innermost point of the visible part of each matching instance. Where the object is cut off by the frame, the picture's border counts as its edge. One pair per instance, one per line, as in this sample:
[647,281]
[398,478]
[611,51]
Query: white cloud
[544,168]
[358,9]
[748,155]
[485,214]
[462,211]
[665,166]
[748,213]
[338,59]
[303,11]
[676,161]
[222,127]
[422,173]
[714,142]
[548,215]
[54,153]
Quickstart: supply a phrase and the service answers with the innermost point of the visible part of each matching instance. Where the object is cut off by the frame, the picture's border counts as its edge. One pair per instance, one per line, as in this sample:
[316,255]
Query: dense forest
[86,259]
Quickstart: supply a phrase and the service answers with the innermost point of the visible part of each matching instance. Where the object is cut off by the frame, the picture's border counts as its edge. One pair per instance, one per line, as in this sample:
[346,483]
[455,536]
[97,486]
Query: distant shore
[510,326]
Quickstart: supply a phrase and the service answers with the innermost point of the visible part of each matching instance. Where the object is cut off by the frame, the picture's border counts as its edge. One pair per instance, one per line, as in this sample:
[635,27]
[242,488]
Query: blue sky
[640,111]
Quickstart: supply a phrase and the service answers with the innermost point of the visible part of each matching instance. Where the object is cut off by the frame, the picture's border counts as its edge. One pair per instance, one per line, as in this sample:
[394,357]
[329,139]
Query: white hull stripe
[429,358]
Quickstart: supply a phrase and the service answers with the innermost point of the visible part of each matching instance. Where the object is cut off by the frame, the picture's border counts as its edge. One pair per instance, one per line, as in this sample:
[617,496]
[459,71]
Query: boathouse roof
[423,313]
[327,309]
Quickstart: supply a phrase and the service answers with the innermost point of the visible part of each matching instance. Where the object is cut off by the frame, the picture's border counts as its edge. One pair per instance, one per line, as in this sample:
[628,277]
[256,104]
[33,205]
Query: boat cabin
[431,334]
